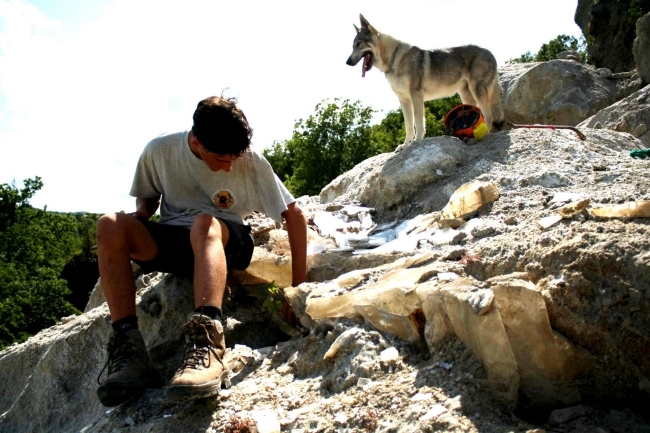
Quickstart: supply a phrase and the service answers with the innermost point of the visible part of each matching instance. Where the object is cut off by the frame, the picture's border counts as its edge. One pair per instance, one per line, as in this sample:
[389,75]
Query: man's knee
[108,228]
[207,228]
[115,228]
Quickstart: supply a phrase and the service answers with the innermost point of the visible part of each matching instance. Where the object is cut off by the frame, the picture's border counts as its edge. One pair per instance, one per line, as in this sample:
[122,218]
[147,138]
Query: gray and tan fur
[417,75]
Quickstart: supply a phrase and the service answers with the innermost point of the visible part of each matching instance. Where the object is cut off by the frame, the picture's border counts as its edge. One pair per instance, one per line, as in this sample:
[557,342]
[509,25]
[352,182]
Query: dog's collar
[392,60]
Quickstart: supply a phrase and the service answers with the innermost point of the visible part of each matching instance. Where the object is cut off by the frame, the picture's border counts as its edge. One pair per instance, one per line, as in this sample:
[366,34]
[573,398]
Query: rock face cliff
[641,48]
[610,30]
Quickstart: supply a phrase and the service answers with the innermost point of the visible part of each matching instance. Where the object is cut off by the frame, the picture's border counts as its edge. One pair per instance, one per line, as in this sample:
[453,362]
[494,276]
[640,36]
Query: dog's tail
[496,104]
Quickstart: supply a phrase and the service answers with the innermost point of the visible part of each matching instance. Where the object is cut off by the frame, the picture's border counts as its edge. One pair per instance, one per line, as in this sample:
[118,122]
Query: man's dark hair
[221,127]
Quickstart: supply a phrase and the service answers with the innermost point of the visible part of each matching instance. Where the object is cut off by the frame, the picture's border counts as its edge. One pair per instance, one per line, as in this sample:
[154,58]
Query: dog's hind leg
[495,101]
[466,95]
[480,93]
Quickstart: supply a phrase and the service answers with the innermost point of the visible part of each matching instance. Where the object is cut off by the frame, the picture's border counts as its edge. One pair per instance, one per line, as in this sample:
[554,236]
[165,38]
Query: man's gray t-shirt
[188,187]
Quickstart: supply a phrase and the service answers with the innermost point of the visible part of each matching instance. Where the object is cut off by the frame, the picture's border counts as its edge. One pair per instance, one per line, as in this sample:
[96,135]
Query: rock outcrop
[560,92]
[389,182]
[631,115]
[557,92]
[504,322]
[609,28]
[641,48]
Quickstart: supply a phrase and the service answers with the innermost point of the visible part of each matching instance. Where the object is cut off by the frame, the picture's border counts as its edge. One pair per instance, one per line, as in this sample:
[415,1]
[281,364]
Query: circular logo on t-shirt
[223,199]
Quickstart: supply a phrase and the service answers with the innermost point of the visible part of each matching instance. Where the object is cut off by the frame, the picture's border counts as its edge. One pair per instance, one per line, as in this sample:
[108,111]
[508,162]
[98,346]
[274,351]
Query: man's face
[214,161]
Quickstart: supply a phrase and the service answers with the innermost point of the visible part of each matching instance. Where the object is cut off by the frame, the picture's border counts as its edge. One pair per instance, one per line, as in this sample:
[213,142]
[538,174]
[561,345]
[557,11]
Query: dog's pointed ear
[364,22]
[365,25]
[356,28]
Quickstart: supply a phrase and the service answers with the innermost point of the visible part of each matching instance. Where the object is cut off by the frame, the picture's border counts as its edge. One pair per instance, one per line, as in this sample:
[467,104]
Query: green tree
[281,157]
[527,57]
[82,271]
[391,132]
[35,245]
[435,111]
[552,48]
[13,200]
[329,142]
[636,9]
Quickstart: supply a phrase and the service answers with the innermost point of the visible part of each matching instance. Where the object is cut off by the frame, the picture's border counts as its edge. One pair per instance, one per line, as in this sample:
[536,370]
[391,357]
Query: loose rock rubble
[290,387]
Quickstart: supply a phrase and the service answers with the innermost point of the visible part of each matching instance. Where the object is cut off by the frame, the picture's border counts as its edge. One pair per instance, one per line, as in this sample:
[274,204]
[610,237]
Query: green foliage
[339,136]
[281,158]
[273,302]
[527,57]
[435,112]
[35,245]
[329,142]
[391,132]
[87,233]
[636,9]
[551,49]
[82,271]
[13,200]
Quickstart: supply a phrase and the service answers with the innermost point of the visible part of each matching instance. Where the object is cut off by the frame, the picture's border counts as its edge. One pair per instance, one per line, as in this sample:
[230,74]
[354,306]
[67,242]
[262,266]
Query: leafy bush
[551,49]
[636,9]
[35,245]
[82,271]
[329,142]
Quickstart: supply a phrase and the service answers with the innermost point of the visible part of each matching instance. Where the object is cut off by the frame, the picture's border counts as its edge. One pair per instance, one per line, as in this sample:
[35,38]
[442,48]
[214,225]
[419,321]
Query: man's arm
[297,230]
[145,207]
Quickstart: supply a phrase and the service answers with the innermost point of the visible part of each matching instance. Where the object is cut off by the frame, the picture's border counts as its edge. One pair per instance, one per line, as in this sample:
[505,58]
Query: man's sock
[125,324]
[213,313]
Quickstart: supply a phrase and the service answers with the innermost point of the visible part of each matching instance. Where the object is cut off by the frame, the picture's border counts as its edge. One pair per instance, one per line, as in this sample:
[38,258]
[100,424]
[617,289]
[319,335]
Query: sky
[85,84]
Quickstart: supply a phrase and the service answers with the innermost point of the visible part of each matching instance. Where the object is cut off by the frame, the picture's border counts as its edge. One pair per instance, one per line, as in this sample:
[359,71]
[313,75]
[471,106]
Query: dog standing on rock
[417,75]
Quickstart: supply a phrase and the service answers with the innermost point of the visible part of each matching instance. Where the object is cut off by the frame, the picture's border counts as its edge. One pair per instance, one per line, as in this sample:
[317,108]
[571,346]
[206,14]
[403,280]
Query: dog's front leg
[407,110]
[418,111]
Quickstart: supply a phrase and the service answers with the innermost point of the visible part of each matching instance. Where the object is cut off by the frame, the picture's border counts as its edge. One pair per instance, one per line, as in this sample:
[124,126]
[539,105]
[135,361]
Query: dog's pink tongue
[366,59]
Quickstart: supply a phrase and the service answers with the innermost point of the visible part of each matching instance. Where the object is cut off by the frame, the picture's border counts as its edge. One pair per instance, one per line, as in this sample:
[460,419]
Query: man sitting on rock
[205,180]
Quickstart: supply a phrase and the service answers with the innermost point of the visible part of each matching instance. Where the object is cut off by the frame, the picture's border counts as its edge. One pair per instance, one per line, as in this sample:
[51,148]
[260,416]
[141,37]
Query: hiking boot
[130,371]
[202,371]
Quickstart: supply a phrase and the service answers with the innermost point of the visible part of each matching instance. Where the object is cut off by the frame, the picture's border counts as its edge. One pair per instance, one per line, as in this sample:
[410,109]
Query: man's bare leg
[209,237]
[202,372]
[121,237]
[130,371]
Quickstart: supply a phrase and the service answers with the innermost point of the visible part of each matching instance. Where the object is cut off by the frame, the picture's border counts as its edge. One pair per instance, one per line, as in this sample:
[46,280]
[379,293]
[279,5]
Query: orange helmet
[465,121]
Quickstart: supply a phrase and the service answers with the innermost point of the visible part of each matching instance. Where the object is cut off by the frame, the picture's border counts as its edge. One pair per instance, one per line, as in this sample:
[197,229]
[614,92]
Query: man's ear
[194,142]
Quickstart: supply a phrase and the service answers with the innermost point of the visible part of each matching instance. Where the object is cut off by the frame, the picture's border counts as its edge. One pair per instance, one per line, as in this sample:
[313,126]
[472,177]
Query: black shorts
[175,254]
